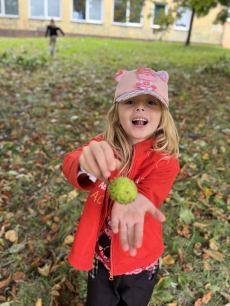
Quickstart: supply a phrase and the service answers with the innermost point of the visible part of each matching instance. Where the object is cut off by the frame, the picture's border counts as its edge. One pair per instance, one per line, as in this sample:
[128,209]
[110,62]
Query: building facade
[107,18]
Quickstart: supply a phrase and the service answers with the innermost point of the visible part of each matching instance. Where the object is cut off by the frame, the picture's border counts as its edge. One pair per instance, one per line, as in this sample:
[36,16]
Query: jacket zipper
[111,249]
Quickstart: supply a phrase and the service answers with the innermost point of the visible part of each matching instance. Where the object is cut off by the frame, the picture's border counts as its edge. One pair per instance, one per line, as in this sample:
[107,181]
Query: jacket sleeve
[157,184]
[71,167]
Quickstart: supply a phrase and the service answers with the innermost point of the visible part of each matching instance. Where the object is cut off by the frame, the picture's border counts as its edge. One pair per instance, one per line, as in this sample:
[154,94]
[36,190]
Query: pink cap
[142,81]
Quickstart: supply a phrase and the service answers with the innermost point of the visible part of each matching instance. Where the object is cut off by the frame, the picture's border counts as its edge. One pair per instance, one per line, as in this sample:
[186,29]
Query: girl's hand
[98,159]
[128,220]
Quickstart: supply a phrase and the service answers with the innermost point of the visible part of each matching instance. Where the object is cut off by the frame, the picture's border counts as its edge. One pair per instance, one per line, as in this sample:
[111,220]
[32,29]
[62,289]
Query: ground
[51,107]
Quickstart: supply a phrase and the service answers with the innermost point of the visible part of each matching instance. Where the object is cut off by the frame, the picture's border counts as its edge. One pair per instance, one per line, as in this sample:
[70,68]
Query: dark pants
[124,290]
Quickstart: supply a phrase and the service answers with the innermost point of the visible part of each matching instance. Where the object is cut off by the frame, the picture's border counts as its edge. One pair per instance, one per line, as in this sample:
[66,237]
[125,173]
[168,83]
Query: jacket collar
[142,147]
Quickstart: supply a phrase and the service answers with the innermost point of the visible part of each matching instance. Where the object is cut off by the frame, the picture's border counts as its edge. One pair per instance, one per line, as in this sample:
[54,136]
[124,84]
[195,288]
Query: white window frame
[228,18]
[2,14]
[129,24]
[178,28]
[46,17]
[87,20]
[157,26]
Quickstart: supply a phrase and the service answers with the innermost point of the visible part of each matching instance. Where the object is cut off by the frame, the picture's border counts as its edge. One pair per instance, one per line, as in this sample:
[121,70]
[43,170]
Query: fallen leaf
[198,302]
[56,287]
[212,245]
[207,286]
[69,239]
[205,156]
[46,218]
[206,298]
[216,255]
[6,281]
[11,236]
[54,267]
[207,266]
[226,296]
[201,225]
[18,276]
[55,293]
[54,227]
[70,287]
[2,298]
[172,304]
[208,192]
[168,261]
[45,270]
[72,194]
[39,302]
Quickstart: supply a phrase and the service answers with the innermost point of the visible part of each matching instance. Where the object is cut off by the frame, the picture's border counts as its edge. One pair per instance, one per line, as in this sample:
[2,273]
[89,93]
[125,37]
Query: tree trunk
[190,28]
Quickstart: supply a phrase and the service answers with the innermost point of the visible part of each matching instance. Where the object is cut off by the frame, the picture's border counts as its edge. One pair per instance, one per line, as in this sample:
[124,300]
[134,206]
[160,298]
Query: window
[9,8]
[228,16]
[157,11]
[127,13]
[45,9]
[87,11]
[183,22]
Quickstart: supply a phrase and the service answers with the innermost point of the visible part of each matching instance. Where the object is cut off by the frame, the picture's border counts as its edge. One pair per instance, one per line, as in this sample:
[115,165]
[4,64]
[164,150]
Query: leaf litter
[52,108]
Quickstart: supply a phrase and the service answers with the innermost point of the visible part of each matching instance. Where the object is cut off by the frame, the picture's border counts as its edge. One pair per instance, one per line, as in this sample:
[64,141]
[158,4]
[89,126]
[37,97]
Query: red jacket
[154,179]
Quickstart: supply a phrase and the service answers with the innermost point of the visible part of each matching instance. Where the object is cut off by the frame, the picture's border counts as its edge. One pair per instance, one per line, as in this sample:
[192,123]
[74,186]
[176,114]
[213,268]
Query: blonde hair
[166,140]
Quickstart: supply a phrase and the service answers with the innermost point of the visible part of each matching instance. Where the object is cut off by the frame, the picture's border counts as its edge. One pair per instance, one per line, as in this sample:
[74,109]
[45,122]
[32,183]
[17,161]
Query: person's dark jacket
[53,31]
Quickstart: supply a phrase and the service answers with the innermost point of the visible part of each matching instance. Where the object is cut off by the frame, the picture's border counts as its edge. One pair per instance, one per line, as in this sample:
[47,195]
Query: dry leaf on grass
[39,302]
[226,296]
[18,276]
[11,236]
[45,270]
[206,298]
[69,239]
[212,245]
[201,225]
[6,281]
[207,266]
[168,261]
[216,255]
[198,302]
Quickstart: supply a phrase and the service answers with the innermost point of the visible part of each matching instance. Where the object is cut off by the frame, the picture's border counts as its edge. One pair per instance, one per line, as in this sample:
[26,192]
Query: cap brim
[139,92]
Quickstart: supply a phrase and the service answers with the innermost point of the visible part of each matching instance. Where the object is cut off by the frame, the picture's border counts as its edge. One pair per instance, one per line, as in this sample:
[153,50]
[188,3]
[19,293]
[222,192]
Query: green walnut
[122,190]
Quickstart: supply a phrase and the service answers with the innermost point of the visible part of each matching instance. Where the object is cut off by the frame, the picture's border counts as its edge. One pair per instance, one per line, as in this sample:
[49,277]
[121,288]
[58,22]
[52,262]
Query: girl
[121,244]
[52,31]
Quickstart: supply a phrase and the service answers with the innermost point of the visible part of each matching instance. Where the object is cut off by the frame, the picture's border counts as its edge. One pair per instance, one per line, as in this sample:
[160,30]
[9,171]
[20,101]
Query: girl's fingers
[138,234]
[109,156]
[132,248]
[100,158]
[89,163]
[123,236]
[114,225]
[156,213]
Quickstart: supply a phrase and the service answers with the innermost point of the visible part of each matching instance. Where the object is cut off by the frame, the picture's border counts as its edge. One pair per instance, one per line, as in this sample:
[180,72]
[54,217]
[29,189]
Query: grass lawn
[49,108]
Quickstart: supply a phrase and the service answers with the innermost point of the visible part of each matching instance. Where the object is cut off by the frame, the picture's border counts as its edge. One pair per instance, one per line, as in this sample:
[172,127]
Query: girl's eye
[130,102]
[151,103]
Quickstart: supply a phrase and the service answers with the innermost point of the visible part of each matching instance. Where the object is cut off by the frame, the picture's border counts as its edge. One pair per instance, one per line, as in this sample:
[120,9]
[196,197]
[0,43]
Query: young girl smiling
[121,244]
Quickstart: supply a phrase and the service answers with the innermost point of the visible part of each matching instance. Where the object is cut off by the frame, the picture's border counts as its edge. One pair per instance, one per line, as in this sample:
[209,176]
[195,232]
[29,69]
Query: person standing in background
[52,32]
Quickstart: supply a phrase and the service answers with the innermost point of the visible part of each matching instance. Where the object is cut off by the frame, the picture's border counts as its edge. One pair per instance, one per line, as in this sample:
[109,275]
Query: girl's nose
[140,106]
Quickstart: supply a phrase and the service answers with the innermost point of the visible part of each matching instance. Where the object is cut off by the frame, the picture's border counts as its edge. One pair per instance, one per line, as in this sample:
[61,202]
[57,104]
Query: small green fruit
[122,190]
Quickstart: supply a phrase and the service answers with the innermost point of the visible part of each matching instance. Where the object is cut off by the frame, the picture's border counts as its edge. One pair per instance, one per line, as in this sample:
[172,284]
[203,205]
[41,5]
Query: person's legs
[101,291]
[53,39]
[136,290]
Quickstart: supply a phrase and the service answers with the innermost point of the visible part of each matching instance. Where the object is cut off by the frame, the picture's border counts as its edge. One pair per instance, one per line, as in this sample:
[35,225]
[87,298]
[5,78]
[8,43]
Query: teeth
[140,120]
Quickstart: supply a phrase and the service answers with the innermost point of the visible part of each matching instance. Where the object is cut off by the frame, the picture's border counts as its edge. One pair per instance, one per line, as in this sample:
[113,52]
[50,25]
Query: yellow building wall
[203,30]
[226,36]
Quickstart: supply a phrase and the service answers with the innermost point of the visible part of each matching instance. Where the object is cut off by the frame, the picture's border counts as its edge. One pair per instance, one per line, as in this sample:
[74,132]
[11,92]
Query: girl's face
[139,117]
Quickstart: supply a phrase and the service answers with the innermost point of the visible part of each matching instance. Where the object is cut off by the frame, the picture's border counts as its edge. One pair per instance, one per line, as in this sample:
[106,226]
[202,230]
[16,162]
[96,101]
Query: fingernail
[112,168]
[106,174]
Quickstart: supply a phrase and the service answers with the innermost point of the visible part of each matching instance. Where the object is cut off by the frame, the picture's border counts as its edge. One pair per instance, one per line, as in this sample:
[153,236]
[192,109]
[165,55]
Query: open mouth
[140,122]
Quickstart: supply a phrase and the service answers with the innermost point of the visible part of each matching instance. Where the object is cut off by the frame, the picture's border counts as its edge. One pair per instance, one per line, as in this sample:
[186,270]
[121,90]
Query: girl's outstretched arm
[128,220]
